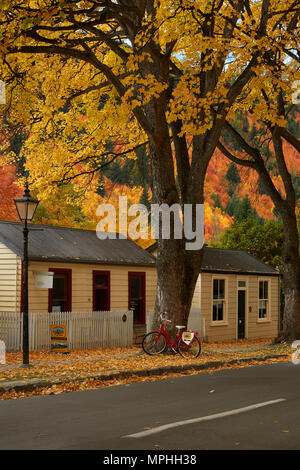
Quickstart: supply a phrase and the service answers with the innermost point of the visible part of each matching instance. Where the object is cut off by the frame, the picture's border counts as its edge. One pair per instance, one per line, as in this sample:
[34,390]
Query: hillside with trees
[232,193]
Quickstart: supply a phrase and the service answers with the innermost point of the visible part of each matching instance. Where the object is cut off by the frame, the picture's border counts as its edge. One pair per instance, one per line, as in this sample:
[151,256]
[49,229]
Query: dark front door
[101,301]
[60,296]
[136,296]
[241,313]
[101,291]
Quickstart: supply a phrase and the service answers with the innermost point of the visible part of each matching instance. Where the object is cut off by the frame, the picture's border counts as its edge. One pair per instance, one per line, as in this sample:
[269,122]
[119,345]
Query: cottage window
[263,308]
[218,303]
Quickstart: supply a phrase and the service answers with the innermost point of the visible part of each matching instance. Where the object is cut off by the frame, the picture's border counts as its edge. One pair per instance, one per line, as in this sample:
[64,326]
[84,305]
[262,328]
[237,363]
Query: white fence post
[2,352]
[10,330]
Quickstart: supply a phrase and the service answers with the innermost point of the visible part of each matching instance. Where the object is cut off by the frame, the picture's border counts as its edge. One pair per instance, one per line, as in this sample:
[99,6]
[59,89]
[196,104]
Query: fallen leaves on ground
[87,354]
[82,364]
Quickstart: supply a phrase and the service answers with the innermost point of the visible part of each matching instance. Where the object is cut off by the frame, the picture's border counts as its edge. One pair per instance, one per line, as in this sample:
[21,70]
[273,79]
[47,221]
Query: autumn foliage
[9,190]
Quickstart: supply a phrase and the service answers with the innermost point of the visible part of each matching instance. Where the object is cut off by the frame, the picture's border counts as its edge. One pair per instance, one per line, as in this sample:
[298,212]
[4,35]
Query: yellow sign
[59,339]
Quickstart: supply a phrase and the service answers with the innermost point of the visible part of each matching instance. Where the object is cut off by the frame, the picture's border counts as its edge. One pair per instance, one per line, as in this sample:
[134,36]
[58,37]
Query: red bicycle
[186,342]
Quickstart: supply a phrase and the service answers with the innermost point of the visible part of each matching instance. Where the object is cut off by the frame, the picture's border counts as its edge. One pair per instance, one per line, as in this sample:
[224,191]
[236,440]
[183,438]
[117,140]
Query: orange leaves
[83,370]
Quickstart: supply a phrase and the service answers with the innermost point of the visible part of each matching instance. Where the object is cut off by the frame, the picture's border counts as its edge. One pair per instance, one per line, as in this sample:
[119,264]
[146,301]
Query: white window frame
[225,301]
[267,318]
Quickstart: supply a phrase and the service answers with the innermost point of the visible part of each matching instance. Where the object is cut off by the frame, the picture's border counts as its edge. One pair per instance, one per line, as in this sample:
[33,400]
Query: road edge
[33,384]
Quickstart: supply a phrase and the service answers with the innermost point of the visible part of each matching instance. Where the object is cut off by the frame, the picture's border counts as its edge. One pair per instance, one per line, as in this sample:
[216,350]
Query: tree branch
[239,161]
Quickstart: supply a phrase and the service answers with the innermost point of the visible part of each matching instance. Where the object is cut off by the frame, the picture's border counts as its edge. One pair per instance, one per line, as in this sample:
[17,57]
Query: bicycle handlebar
[164,319]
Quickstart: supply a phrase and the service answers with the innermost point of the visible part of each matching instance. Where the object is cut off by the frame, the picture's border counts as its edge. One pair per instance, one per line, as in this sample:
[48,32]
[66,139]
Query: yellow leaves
[71,125]
[135,61]
[140,90]
[186,104]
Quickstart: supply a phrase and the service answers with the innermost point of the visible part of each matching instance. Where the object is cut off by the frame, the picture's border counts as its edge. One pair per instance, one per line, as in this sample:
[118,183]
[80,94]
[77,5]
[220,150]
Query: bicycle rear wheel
[154,343]
[190,350]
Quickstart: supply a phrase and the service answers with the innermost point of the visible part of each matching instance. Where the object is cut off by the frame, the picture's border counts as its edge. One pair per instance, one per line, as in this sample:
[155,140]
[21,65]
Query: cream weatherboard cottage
[236,296]
[89,274]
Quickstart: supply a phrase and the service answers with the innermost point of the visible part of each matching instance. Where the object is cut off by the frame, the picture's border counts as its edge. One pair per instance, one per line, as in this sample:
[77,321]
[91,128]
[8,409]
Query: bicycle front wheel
[190,350]
[154,343]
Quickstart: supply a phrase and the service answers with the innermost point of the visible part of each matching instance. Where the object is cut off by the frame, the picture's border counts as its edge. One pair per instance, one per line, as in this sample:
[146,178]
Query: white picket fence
[85,330]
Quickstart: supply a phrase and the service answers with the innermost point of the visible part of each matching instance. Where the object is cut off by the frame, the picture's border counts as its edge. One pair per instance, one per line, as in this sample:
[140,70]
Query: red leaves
[9,190]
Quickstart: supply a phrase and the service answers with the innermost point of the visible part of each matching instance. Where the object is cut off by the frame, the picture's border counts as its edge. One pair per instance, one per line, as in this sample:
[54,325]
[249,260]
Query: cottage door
[136,296]
[60,296]
[241,313]
[101,291]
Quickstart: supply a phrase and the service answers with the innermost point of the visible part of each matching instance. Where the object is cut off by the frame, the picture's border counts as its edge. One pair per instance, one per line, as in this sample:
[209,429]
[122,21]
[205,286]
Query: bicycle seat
[180,327]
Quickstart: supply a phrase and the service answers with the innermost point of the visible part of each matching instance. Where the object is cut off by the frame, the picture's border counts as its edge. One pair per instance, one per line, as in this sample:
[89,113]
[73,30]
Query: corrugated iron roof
[217,260]
[233,261]
[64,244]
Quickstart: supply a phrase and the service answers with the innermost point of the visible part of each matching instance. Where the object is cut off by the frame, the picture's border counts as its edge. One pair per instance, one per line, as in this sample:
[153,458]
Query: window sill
[263,320]
[219,323]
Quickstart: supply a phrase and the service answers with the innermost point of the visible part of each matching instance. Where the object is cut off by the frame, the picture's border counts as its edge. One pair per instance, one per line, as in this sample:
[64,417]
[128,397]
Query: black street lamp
[26,206]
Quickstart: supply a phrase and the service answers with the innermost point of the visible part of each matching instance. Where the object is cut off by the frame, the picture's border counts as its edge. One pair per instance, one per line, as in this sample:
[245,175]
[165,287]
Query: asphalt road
[107,418]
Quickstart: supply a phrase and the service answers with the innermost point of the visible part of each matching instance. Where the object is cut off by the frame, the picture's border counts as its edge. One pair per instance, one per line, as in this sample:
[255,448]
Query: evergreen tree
[230,190]
[232,205]
[253,133]
[145,198]
[244,209]
[246,125]
[232,174]
[143,166]
[293,124]
[217,200]
[296,184]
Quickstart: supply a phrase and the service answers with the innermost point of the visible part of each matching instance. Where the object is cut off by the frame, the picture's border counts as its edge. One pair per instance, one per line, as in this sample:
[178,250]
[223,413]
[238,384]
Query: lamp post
[26,206]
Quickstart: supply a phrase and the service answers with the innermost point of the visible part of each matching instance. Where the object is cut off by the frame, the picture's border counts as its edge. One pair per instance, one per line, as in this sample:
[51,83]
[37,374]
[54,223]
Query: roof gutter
[93,261]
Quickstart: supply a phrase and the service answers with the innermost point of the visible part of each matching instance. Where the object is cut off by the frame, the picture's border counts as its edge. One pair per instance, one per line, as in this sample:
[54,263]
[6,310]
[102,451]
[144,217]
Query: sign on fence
[59,339]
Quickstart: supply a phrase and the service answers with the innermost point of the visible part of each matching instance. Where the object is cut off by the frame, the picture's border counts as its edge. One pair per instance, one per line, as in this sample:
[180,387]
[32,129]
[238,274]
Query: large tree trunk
[178,272]
[291,280]
[177,268]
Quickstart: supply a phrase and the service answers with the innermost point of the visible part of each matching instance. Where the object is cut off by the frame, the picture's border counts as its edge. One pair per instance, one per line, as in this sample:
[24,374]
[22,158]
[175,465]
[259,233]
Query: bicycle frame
[186,343]
[172,345]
